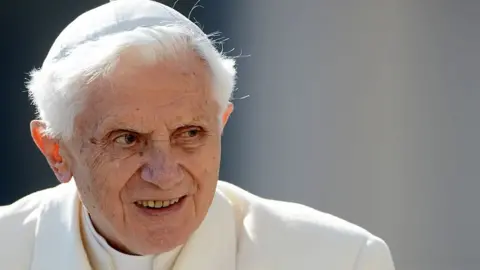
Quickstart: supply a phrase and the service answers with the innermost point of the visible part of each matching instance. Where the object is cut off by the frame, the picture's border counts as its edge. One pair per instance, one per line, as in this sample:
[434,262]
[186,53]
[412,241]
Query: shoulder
[17,215]
[292,234]
[18,222]
[26,207]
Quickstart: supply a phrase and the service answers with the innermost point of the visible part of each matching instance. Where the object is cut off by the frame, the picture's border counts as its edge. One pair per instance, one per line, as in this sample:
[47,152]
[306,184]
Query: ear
[226,114]
[50,148]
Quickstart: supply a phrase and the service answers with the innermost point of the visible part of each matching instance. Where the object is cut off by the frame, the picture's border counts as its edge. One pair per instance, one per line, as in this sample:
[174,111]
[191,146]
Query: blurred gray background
[367,109]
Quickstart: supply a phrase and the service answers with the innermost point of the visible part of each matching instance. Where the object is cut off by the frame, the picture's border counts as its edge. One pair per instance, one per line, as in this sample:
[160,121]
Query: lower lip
[164,210]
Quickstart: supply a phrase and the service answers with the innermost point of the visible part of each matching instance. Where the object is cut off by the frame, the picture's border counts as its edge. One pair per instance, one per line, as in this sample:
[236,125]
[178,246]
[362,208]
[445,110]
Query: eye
[126,139]
[188,134]
[191,133]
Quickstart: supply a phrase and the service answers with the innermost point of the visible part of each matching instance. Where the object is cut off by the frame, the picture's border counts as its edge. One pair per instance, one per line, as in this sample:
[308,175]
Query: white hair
[56,88]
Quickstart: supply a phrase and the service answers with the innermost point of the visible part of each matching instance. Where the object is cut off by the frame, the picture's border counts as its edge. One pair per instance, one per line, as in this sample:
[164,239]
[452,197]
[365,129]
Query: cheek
[204,166]
[204,162]
[102,179]
[211,159]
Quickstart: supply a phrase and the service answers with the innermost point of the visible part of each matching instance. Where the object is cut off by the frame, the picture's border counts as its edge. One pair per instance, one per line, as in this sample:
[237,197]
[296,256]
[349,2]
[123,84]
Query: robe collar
[58,243]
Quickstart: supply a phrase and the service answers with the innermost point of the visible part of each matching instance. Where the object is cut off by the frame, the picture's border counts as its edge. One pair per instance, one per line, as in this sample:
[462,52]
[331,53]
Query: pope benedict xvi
[132,99]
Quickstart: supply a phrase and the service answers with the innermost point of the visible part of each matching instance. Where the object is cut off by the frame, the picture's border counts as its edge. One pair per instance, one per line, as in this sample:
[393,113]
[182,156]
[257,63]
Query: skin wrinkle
[160,105]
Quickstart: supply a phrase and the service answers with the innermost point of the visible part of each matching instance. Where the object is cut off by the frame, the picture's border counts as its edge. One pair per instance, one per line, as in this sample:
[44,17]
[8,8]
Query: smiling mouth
[157,204]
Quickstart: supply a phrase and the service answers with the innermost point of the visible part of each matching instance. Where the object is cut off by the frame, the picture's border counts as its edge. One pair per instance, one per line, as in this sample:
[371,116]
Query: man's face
[146,153]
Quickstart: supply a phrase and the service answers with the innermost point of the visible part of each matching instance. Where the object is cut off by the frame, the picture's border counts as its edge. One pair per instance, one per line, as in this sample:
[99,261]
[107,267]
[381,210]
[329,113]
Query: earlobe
[59,167]
[62,175]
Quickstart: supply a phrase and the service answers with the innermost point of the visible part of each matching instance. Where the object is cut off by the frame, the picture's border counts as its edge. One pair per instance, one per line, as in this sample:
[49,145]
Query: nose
[162,171]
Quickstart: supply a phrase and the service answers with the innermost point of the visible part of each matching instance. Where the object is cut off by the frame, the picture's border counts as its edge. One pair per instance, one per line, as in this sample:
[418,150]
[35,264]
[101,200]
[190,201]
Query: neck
[117,245]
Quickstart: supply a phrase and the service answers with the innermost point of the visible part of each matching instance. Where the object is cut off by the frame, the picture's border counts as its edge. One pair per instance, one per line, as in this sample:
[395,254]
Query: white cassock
[45,231]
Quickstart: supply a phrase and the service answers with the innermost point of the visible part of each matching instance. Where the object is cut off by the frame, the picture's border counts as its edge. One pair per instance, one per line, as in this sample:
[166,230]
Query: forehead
[142,96]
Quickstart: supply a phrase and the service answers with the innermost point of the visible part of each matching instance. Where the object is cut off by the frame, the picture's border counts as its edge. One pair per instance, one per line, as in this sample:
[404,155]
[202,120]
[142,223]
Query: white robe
[241,231]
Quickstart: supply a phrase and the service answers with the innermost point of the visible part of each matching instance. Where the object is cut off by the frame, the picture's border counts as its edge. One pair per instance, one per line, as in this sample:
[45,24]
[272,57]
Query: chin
[158,242]
[158,247]
[153,237]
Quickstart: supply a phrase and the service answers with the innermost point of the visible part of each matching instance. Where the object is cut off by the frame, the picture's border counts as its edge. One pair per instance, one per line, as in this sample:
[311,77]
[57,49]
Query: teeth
[157,204]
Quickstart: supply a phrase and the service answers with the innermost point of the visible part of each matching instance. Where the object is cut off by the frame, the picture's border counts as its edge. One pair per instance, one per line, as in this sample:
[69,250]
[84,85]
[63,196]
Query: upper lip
[158,199]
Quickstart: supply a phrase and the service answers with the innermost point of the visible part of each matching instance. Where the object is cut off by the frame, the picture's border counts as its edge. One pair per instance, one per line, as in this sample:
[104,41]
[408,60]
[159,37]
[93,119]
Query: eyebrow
[198,120]
[110,123]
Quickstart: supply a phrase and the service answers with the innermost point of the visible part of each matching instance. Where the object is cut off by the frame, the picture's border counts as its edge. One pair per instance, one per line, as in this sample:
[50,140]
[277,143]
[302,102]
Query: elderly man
[132,100]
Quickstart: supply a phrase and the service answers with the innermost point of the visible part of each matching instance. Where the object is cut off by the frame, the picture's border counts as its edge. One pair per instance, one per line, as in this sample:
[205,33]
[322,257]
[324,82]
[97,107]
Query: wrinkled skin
[148,133]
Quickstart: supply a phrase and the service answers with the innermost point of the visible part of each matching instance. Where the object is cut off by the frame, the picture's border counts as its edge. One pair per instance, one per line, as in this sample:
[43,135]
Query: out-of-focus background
[367,109]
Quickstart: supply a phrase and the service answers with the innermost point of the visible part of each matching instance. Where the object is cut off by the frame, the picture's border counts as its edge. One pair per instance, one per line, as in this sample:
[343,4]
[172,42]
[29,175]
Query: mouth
[159,204]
